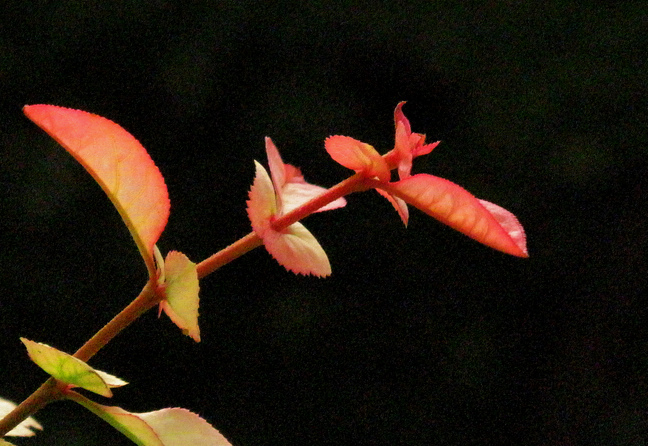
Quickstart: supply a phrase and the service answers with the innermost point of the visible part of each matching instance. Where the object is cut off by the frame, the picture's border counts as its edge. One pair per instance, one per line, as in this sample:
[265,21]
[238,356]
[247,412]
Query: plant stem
[226,255]
[148,298]
[352,184]
[44,395]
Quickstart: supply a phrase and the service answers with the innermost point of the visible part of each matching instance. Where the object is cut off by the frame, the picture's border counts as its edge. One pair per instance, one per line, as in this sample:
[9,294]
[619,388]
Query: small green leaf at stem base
[70,370]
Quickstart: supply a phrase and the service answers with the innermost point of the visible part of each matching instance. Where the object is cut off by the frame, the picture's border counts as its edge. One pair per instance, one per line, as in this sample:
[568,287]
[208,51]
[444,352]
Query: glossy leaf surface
[119,163]
[71,370]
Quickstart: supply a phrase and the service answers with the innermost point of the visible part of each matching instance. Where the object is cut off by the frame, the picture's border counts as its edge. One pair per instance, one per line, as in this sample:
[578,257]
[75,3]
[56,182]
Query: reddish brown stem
[44,395]
[148,298]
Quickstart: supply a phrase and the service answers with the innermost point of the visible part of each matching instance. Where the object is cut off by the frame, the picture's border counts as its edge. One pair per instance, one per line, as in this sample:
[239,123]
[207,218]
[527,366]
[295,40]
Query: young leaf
[358,156]
[291,188]
[24,429]
[119,163]
[451,204]
[166,427]
[181,303]
[71,370]
[295,247]
[5,443]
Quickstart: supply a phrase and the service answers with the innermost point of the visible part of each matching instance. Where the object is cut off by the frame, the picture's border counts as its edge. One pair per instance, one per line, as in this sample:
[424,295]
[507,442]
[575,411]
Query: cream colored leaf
[182,287]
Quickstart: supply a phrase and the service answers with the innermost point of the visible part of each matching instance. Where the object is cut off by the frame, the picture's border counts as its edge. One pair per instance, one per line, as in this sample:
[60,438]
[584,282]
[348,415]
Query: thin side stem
[49,391]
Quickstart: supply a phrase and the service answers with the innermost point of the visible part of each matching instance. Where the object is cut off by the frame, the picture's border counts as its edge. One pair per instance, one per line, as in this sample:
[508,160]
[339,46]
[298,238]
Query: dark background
[421,336]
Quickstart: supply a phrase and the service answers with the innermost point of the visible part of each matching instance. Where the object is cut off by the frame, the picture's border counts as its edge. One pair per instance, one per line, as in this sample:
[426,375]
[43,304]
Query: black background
[421,335]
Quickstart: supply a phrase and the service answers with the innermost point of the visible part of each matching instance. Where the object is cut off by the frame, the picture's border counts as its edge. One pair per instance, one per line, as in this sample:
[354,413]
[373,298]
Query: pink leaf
[451,204]
[180,427]
[358,156]
[165,427]
[291,188]
[119,163]
[295,248]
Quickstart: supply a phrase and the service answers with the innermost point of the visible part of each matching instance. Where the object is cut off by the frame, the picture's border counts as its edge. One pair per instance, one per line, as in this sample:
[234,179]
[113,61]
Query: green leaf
[24,429]
[181,303]
[71,370]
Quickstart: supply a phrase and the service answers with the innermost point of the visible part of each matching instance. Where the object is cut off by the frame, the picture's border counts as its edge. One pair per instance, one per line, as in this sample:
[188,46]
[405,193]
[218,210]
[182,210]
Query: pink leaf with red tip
[451,204]
[119,163]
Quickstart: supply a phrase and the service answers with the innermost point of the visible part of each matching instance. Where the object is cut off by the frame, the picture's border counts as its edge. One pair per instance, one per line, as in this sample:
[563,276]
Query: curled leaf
[399,204]
[119,163]
[71,370]
[262,205]
[453,205]
[181,303]
[166,427]
[25,428]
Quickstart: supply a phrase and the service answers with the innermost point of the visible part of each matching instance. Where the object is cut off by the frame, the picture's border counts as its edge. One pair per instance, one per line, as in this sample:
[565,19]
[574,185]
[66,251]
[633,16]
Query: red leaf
[453,205]
[119,163]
